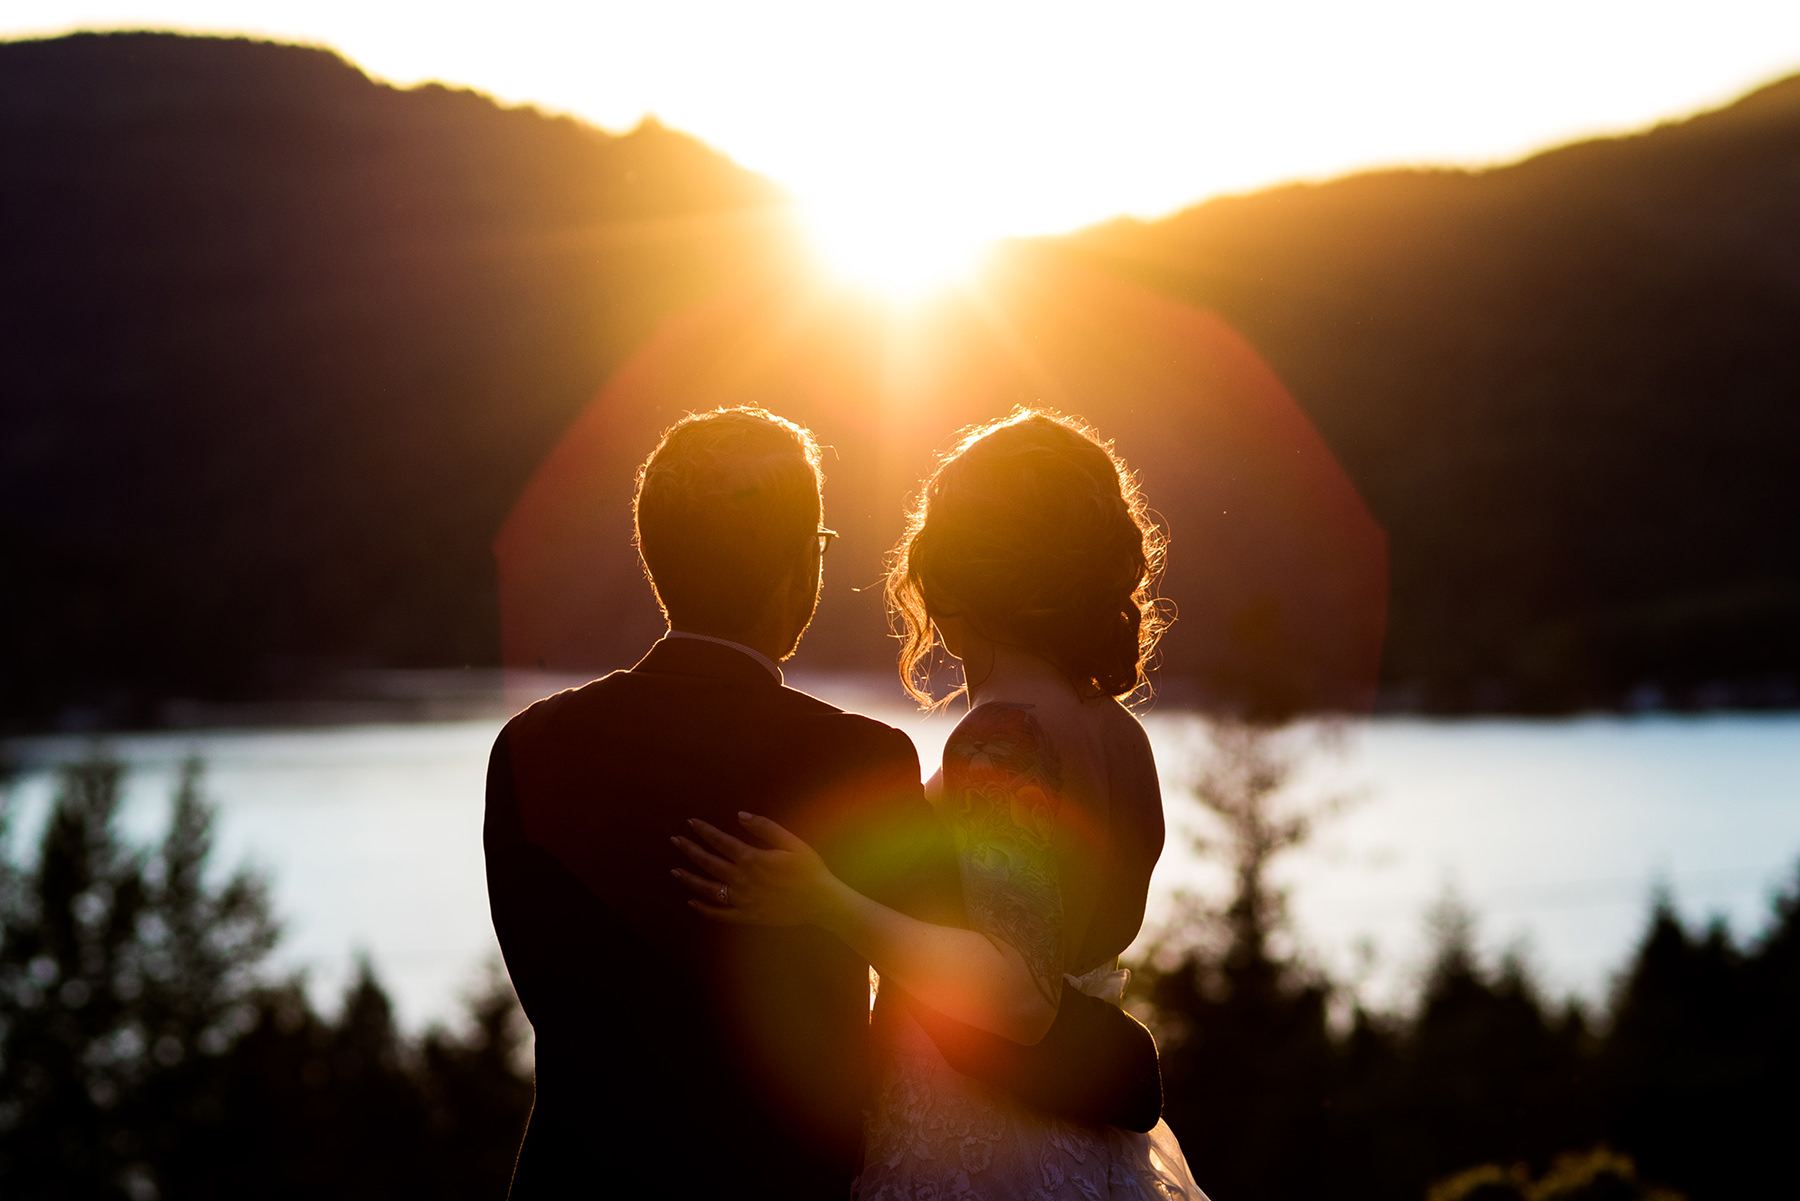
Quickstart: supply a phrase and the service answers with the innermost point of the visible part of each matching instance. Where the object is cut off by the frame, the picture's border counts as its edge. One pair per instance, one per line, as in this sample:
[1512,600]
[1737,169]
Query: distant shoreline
[372,697]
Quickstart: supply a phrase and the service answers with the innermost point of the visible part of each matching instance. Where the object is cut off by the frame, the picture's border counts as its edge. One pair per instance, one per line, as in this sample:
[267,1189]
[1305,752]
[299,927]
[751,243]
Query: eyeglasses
[825,538]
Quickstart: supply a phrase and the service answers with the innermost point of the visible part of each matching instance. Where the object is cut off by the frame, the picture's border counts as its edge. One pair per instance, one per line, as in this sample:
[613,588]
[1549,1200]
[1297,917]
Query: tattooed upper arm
[1001,795]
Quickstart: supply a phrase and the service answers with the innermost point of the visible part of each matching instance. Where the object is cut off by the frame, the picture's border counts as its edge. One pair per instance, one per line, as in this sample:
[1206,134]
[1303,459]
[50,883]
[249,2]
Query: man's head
[727,524]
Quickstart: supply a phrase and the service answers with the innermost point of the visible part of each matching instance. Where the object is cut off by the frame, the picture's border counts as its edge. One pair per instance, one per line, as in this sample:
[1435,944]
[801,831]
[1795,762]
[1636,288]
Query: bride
[1029,558]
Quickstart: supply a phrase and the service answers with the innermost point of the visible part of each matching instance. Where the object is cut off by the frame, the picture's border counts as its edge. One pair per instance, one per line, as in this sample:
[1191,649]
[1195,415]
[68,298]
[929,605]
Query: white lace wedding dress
[936,1135]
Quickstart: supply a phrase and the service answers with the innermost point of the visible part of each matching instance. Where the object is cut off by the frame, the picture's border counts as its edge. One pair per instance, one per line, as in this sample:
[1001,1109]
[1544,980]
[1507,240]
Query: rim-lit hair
[1034,531]
[726,504]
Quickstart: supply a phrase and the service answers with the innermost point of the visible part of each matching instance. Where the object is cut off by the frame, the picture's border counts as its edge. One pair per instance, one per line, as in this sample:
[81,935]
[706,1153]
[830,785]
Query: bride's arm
[1000,793]
[981,981]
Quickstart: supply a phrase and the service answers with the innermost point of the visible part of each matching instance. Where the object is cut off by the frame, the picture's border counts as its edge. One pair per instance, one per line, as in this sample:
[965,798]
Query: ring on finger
[724,895]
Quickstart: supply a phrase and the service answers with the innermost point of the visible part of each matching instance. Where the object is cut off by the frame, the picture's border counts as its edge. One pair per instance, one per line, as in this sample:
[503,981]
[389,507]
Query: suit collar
[705,657]
[766,663]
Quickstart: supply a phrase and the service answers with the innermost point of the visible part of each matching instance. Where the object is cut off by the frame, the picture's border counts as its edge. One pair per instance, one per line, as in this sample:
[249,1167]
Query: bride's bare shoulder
[1121,727]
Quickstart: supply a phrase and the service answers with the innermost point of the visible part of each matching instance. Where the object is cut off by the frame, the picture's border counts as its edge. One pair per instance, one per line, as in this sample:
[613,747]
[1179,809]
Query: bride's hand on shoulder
[783,883]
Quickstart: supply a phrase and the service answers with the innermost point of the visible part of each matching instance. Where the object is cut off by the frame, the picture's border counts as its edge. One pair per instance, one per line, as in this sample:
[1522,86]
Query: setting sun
[898,253]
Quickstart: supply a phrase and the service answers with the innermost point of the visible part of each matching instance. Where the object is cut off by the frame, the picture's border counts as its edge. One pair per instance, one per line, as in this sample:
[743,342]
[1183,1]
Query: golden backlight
[1037,118]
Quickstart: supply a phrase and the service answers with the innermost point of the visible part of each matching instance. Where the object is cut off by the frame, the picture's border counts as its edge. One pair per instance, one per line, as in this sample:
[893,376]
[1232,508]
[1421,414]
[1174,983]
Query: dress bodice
[1057,832]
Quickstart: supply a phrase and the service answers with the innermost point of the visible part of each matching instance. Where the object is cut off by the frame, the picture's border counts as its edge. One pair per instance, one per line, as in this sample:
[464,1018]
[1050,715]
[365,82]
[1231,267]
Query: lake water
[1554,833]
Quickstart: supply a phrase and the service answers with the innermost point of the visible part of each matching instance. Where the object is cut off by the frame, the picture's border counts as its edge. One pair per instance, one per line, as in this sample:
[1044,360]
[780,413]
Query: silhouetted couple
[711,1035]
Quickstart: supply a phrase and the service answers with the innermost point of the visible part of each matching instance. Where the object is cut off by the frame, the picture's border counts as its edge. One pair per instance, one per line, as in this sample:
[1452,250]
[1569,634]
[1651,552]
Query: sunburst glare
[899,252]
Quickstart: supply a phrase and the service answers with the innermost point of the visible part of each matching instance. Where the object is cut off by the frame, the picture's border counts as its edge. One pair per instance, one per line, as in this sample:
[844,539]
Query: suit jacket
[669,1046]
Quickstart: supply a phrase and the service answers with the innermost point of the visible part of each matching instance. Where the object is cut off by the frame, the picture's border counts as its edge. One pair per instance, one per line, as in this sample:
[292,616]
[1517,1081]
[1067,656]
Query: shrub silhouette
[1598,1175]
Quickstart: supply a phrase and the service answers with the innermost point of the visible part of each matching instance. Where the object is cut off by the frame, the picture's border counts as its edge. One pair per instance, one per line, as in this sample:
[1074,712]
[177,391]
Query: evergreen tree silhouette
[122,976]
[1487,1071]
[144,1053]
[1700,1063]
[1248,1058]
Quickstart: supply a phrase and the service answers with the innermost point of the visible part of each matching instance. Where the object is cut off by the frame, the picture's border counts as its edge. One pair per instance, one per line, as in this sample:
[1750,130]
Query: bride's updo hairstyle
[1033,531]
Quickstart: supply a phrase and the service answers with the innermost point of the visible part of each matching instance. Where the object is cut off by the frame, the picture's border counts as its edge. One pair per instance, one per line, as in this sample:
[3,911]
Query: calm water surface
[1555,833]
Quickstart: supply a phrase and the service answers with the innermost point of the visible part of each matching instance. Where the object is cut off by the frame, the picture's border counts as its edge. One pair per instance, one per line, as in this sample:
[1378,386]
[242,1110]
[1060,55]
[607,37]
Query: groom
[682,1058]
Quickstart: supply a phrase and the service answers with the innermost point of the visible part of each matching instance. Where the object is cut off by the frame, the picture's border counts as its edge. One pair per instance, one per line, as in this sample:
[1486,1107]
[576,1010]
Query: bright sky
[917,129]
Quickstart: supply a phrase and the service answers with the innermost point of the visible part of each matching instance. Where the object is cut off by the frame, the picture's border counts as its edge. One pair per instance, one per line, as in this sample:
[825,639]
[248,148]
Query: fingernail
[674,841]
[691,825]
[744,817]
[675,873]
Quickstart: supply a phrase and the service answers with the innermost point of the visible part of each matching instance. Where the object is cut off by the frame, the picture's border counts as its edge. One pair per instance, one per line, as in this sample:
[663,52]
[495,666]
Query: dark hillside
[283,347]
[1569,388]
[282,344]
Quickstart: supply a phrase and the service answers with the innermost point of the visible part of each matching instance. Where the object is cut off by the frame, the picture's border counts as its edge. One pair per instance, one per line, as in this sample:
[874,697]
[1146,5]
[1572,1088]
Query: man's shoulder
[624,687]
[581,716]
[806,705]
[843,723]
[547,712]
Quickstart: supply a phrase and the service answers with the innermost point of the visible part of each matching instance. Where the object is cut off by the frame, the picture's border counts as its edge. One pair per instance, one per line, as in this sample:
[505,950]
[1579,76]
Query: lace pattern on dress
[1002,786]
[933,1134]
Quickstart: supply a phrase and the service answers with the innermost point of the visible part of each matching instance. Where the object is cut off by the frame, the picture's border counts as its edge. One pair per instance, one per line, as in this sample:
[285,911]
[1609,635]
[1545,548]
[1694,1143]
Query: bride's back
[1134,837]
[1107,813]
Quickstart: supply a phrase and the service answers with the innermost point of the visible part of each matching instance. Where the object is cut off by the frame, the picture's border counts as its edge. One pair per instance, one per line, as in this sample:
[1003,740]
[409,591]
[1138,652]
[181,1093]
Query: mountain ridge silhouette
[283,345]
[1559,384]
